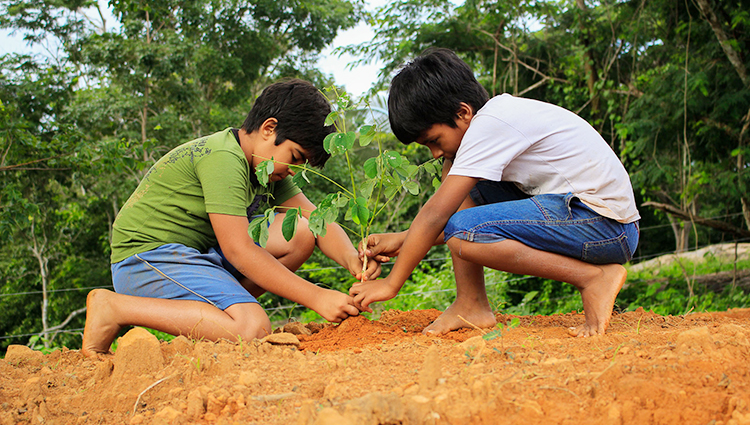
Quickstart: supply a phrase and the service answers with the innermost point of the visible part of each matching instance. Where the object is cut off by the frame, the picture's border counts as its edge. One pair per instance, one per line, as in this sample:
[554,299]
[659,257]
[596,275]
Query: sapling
[362,199]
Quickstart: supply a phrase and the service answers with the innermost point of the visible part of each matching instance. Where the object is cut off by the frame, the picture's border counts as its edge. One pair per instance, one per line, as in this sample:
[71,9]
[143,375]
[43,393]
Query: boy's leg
[292,254]
[542,236]
[174,289]
[598,284]
[471,304]
[107,312]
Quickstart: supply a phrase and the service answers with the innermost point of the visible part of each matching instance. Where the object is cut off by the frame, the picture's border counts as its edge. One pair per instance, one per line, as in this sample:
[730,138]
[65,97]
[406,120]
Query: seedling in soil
[501,329]
[383,177]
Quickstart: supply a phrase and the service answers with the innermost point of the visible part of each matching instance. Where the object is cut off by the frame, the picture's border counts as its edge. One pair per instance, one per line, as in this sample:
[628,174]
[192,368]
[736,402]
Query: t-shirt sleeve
[284,190]
[224,179]
[488,146]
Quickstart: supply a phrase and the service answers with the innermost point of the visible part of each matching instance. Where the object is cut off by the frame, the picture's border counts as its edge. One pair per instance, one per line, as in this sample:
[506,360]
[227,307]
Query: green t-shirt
[172,202]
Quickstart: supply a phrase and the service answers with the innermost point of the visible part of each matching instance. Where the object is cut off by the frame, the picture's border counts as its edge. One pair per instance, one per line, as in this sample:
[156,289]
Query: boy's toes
[583,331]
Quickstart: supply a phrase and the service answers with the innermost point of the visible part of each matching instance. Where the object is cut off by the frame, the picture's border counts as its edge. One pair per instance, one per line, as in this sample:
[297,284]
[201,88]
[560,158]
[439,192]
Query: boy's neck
[247,143]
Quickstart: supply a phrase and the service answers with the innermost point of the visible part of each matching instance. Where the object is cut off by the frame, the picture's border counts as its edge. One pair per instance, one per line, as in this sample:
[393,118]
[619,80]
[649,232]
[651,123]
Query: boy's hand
[354,265]
[382,246]
[335,306]
[371,291]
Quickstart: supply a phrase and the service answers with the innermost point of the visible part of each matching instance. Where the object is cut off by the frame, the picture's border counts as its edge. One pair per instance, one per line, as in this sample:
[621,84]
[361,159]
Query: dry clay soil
[648,369]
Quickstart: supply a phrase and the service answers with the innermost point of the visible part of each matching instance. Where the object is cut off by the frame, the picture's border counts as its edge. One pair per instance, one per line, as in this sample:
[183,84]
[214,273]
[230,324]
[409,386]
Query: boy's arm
[422,234]
[265,271]
[385,245]
[336,244]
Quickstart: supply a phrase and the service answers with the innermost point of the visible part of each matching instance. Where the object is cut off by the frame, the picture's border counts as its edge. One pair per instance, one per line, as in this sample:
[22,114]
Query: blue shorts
[553,223]
[174,271]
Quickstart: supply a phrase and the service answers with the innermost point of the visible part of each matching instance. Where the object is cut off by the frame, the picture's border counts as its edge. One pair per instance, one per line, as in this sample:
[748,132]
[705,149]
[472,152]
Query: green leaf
[338,144]
[328,144]
[317,224]
[412,187]
[331,118]
[366,134]
[300,178]
[371,168]
[367,187]
[258,228]
[411,170]
[289,225]
[358,210]
[392,158]
[263,170]
[348,140]
[341,201]
[326,212]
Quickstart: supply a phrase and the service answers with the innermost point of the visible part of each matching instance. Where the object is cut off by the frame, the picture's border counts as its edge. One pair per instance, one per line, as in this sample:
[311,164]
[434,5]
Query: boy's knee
[298,249]
[251,320]
[304,240]
[256,331]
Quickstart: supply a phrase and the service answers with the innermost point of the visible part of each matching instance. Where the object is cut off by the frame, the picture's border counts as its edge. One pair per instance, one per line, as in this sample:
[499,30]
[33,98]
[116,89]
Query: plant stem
[312,170]
[364,260]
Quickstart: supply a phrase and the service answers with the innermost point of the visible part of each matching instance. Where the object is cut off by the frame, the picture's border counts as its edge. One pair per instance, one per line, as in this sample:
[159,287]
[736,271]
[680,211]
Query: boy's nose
[291,172]
[436,152]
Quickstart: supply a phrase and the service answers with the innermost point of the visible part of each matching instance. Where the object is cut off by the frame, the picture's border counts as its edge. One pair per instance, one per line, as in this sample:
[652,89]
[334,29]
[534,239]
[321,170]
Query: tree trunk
[38,250]
[588,59]
[734,57]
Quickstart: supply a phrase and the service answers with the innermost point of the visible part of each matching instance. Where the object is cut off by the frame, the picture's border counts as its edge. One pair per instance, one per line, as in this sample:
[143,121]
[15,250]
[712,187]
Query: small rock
[282,339]
[23,355]
[696,339]
[473,345]
[431,371]
[297,328]
[138,352]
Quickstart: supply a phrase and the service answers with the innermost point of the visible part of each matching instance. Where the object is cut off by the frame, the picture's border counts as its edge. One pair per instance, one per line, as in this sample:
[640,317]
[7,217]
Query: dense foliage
[665,82]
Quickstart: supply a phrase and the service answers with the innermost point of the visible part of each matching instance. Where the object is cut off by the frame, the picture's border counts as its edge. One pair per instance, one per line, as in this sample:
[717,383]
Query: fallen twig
[473,325]
[135,406]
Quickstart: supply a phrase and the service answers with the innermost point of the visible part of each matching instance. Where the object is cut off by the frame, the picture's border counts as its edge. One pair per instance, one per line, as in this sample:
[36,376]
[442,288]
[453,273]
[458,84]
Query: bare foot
[599,299]
[477,315]
[101,326]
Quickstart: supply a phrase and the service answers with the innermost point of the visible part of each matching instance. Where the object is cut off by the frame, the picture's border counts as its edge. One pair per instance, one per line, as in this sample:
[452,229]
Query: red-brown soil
[648,369]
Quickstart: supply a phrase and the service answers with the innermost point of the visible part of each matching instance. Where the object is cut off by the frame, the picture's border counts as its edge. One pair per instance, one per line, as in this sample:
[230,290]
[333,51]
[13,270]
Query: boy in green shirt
[182,259]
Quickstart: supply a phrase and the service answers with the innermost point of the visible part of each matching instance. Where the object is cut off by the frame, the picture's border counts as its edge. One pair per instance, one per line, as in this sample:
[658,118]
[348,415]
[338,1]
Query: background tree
[82,124]
[661,81]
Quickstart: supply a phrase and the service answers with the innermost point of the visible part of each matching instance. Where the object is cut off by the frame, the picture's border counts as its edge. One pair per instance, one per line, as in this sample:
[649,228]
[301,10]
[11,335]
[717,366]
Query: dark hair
[429,90]
[300,110]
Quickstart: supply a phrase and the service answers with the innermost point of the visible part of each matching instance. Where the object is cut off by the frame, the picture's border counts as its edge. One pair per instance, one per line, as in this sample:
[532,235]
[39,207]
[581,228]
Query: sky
[356,81]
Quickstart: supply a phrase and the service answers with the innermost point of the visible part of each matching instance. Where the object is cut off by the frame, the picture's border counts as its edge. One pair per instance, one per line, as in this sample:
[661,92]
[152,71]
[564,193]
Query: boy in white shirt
[528,188]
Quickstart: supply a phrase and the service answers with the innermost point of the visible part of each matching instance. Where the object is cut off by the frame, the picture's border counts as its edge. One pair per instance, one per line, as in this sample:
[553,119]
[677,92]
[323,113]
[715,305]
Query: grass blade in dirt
[370,186]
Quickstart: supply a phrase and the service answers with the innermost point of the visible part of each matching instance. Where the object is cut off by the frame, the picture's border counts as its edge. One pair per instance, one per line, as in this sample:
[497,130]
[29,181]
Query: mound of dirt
[648,369]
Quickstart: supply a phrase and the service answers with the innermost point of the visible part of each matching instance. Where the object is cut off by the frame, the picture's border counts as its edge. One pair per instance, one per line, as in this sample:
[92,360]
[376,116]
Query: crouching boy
[529,188]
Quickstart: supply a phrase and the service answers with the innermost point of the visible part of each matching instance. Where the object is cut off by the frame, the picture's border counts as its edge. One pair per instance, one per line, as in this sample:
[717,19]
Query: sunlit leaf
[289,225]
[371,168]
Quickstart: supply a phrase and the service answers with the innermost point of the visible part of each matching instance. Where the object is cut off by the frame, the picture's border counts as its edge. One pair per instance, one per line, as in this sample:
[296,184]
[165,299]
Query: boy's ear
[268,127]
[464,113]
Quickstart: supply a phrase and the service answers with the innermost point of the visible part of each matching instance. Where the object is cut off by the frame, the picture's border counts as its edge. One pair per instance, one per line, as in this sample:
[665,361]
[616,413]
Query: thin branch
[10,167]
[685,215]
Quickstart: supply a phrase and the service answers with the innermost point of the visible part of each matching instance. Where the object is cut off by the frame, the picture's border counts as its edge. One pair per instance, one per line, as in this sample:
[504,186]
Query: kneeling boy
[182,259]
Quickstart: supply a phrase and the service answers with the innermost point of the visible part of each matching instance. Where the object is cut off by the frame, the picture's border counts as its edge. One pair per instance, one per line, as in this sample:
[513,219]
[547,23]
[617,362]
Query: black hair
[429,90]
[300,110]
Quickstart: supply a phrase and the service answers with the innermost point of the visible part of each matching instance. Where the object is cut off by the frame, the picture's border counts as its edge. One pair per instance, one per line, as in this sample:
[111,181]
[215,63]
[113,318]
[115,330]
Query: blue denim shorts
[174,271]
[554,223]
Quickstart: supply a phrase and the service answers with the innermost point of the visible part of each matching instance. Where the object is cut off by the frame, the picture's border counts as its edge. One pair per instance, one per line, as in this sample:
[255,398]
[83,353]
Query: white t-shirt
[545,149]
